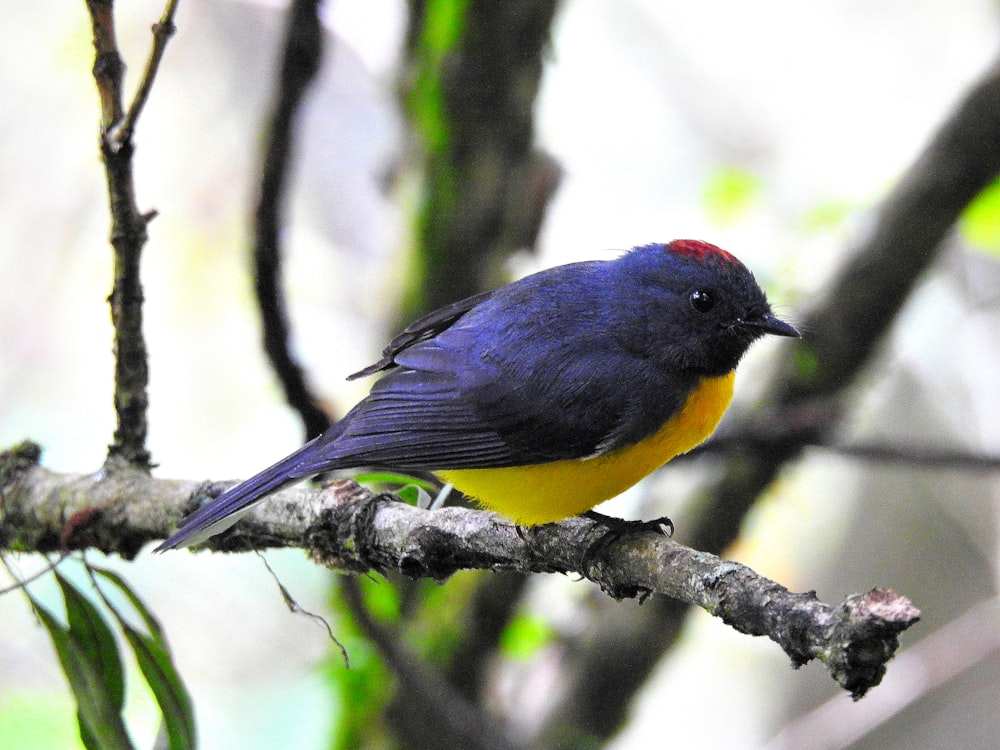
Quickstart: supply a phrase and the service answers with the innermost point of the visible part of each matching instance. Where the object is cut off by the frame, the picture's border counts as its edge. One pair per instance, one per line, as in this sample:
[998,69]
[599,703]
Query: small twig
[913,455]
[295,608]
[301,58]
[22,582]
[162,31]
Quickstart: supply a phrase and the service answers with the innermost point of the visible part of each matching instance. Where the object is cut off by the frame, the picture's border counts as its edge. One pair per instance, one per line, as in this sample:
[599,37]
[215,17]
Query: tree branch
[128,227]
[778,433]
[347,528]
[303,51]
[162,31]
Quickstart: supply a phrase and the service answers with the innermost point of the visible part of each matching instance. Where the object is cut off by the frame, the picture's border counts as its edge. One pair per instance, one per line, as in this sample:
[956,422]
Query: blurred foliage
[980,223]
[30,720]
[437,626]
[441,26]
[826,216]
[525,635]
[364,687]
[730,193]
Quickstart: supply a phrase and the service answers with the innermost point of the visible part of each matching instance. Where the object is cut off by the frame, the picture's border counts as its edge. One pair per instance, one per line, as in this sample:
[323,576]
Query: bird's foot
[618,527]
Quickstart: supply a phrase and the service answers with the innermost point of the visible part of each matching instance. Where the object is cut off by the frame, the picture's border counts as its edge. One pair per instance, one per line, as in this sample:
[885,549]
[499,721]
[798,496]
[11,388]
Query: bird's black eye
[702,300]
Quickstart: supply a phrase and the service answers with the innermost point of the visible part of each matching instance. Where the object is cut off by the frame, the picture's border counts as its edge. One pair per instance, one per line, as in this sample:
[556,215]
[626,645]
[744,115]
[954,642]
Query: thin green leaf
[89,628]
[101,725]
[90,741]
[148,618]
[152,654]
[157,667]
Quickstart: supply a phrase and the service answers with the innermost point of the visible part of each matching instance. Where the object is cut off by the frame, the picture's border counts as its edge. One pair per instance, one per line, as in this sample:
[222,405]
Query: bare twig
[918,456]
[128,227]
[297,609]
[301,58]
[19,582]
[162,31]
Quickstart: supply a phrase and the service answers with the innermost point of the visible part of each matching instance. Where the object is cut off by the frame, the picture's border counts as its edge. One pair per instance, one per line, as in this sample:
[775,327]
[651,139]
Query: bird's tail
[238,500]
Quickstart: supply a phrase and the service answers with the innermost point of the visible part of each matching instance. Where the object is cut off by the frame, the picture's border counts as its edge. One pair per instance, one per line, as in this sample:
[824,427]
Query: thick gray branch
[347,528]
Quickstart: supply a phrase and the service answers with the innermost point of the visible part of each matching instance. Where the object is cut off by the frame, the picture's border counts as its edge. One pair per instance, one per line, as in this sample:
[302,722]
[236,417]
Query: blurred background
[772,129]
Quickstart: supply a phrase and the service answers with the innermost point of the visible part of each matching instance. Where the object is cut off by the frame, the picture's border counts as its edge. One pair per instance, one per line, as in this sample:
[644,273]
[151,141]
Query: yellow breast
[541,493]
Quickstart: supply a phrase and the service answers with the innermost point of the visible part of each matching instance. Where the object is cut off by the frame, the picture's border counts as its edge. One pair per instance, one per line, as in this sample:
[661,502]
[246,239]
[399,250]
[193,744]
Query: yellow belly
[541,493]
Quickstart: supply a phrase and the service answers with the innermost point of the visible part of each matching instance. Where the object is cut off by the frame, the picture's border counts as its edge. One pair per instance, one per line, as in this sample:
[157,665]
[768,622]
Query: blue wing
[495,380]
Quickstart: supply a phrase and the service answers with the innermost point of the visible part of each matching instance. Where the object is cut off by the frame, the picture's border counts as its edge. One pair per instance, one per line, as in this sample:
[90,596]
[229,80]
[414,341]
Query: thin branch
[927,457]
[349,529]
[303,51]
[20,583]
[162,31]
[128,229]
[754,440]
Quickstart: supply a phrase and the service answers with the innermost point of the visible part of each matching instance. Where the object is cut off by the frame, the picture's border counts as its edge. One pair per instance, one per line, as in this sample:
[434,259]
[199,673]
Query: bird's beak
[768,323]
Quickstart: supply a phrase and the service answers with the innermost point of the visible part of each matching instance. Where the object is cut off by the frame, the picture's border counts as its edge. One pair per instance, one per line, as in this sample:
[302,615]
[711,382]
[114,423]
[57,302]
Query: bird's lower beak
[768,323]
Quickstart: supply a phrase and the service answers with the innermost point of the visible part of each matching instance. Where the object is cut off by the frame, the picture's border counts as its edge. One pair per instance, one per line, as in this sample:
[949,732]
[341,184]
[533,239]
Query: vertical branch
[474,71]
[300,61]
[128,226]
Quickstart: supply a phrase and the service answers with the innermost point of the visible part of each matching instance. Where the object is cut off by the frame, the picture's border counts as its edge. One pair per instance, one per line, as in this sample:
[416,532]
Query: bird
[545,397]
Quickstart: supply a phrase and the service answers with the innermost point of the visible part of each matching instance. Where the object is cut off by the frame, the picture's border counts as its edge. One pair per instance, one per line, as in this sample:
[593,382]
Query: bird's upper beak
[769,323]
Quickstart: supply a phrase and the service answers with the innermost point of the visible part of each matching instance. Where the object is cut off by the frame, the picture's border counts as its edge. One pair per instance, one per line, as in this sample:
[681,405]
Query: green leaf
[91,631]
[411,490]
[152,654]
[97,699]
[391,477]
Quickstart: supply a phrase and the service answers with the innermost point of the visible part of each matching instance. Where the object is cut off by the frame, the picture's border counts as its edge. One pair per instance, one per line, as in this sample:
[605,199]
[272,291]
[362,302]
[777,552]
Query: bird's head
[700,307]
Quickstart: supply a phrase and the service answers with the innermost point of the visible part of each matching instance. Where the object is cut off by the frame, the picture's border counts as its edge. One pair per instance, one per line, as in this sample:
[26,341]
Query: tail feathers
[237,501]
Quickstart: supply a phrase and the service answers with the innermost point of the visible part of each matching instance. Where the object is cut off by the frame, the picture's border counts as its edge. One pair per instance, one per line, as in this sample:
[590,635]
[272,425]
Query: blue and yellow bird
[547,396]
